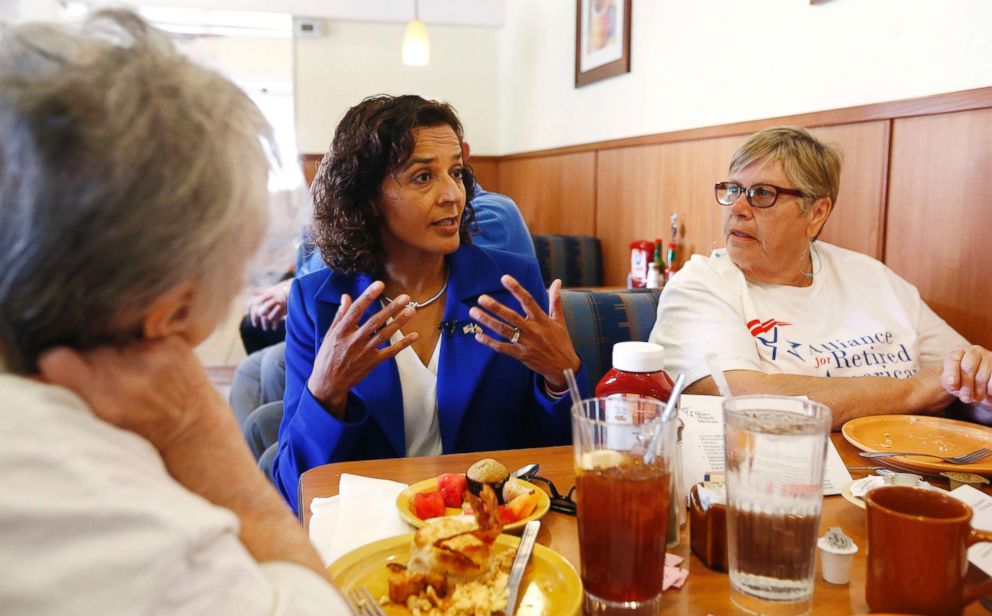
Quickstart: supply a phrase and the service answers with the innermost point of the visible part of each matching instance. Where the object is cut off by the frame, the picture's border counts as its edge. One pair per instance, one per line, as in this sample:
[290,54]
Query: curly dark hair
[374,138]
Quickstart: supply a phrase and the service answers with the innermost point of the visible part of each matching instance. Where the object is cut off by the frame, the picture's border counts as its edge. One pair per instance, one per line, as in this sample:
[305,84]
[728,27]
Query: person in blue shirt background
[414,341]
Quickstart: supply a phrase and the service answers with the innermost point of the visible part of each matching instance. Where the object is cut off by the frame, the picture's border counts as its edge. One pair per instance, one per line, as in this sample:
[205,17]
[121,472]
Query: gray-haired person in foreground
[133,188]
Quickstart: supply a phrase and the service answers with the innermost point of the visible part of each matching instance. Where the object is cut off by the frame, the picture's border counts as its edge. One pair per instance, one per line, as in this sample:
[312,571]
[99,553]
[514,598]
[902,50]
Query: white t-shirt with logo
[858,318]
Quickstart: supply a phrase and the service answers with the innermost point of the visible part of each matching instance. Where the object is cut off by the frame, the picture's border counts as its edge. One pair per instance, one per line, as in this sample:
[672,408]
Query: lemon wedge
[600,459]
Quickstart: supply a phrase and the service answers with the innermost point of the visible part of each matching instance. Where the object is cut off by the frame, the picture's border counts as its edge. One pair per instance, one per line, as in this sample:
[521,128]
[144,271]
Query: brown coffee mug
[917,552]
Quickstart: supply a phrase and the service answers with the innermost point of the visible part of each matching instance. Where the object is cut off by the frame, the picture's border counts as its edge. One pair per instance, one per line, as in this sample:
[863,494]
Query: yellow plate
[405,500]
[936,435]
[550,584]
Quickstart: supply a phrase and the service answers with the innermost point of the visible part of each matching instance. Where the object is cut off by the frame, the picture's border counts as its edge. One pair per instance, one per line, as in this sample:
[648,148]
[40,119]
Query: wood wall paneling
[310,163]
[486,170]
[857,221]
[556,194]
[639,188]
[940,214]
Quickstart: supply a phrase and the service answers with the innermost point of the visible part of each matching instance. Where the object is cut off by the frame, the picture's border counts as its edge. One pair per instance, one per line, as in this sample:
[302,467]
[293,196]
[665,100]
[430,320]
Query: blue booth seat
[597,320]
[576,259]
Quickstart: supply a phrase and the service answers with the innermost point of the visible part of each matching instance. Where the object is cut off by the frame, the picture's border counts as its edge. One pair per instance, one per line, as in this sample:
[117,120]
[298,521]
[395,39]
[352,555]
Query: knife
[520,564]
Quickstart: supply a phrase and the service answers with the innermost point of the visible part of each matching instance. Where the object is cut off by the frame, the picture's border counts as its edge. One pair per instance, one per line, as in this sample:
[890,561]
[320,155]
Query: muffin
[487,471]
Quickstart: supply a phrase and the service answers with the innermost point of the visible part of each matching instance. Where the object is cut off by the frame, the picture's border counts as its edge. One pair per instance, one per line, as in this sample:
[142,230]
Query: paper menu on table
[979,554]
[702,445]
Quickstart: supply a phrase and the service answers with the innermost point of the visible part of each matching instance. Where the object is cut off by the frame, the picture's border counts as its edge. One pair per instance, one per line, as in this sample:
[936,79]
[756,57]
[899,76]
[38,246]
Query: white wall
[245,59]
[354,60]
[31,10]
[702,62]
[450,12]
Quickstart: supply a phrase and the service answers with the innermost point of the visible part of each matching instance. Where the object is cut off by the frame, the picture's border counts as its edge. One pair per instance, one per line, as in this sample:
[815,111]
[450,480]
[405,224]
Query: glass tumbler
[623,501]
[776,453]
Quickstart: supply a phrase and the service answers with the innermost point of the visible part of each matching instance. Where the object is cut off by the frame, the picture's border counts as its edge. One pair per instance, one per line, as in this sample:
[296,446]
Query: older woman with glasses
[133,189]
[783,311]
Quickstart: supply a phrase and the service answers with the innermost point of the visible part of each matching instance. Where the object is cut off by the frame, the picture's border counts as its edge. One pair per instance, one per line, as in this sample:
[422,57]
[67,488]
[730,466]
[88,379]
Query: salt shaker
[654,276]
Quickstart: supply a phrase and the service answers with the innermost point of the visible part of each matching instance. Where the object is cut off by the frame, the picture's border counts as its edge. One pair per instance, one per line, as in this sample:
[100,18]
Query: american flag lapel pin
[472,328]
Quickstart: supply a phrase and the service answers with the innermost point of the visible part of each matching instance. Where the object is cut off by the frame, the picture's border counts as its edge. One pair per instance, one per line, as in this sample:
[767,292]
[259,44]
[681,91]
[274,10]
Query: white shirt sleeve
[221,577]
[699,312]
[301,591]
[935,337]
[91,523]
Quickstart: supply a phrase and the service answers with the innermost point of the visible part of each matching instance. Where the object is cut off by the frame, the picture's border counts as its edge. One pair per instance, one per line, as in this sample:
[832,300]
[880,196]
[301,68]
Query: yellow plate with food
[550,585]
[459,565]
[443,496]
[922,434]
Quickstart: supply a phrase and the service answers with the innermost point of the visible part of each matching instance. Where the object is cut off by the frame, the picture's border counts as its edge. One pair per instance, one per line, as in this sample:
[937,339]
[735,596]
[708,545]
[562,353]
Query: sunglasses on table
[758,195]
[562,503]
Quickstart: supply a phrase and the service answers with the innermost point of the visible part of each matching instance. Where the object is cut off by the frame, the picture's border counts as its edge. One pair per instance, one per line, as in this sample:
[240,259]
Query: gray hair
[811,165]
[125,170]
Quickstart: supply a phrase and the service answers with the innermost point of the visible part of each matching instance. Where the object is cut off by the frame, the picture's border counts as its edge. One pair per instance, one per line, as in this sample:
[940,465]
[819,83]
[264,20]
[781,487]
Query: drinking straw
[573,387]
[673,399]
[717,374]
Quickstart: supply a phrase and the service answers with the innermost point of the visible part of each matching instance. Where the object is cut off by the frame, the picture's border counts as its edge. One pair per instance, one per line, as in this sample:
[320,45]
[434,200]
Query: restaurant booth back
[597,320]
[575,259]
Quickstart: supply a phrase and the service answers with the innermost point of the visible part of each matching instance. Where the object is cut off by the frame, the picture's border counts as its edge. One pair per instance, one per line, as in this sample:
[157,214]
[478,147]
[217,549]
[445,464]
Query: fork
[965,458]
[364,604]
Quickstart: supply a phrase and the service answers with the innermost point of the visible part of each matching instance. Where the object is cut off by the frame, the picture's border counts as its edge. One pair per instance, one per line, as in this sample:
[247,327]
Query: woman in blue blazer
[414,342]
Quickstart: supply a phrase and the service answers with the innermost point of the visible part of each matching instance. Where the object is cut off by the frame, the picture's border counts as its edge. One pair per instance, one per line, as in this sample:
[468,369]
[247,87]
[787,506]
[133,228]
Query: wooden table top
[705,592]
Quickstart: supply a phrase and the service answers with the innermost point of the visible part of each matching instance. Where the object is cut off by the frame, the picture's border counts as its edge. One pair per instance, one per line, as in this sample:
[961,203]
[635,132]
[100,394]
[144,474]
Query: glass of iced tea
[776,452]
[623,501]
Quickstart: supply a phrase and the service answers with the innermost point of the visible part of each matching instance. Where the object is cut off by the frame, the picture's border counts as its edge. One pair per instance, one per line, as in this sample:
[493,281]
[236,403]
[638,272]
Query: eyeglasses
[758,195]
[562,503]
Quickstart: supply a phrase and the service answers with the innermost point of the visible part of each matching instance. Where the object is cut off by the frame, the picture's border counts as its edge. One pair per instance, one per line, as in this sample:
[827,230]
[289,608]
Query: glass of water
[776,452]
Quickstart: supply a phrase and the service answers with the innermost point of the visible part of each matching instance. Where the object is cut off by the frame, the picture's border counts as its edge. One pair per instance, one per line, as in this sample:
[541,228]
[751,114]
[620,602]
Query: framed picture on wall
[602,39]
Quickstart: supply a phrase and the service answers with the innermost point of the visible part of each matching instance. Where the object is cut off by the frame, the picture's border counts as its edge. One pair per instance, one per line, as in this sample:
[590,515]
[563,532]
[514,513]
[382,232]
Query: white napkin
[363,511]
[862,486]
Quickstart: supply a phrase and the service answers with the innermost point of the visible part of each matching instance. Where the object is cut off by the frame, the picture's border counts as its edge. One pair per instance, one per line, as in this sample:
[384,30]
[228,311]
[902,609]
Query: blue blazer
[485,400]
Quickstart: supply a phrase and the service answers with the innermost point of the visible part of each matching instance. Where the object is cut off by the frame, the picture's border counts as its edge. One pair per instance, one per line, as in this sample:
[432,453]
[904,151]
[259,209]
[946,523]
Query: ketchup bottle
[638,371]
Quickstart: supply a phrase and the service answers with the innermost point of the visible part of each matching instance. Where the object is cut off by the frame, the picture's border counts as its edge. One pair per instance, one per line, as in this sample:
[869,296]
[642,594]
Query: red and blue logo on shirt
[759,329]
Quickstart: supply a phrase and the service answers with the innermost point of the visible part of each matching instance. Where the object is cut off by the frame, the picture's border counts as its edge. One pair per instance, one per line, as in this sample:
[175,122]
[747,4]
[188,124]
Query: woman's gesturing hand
[349,351]
[156,389]
[968,375]
[537,339]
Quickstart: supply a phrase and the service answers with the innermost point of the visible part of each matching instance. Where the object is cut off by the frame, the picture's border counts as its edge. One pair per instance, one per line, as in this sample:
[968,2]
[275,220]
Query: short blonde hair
[811,165]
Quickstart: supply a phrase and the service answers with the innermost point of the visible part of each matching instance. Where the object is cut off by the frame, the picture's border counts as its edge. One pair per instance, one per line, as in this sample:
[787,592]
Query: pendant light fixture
[416,46]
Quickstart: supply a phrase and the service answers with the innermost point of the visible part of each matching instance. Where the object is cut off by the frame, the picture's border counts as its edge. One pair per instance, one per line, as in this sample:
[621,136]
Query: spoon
[526,471]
